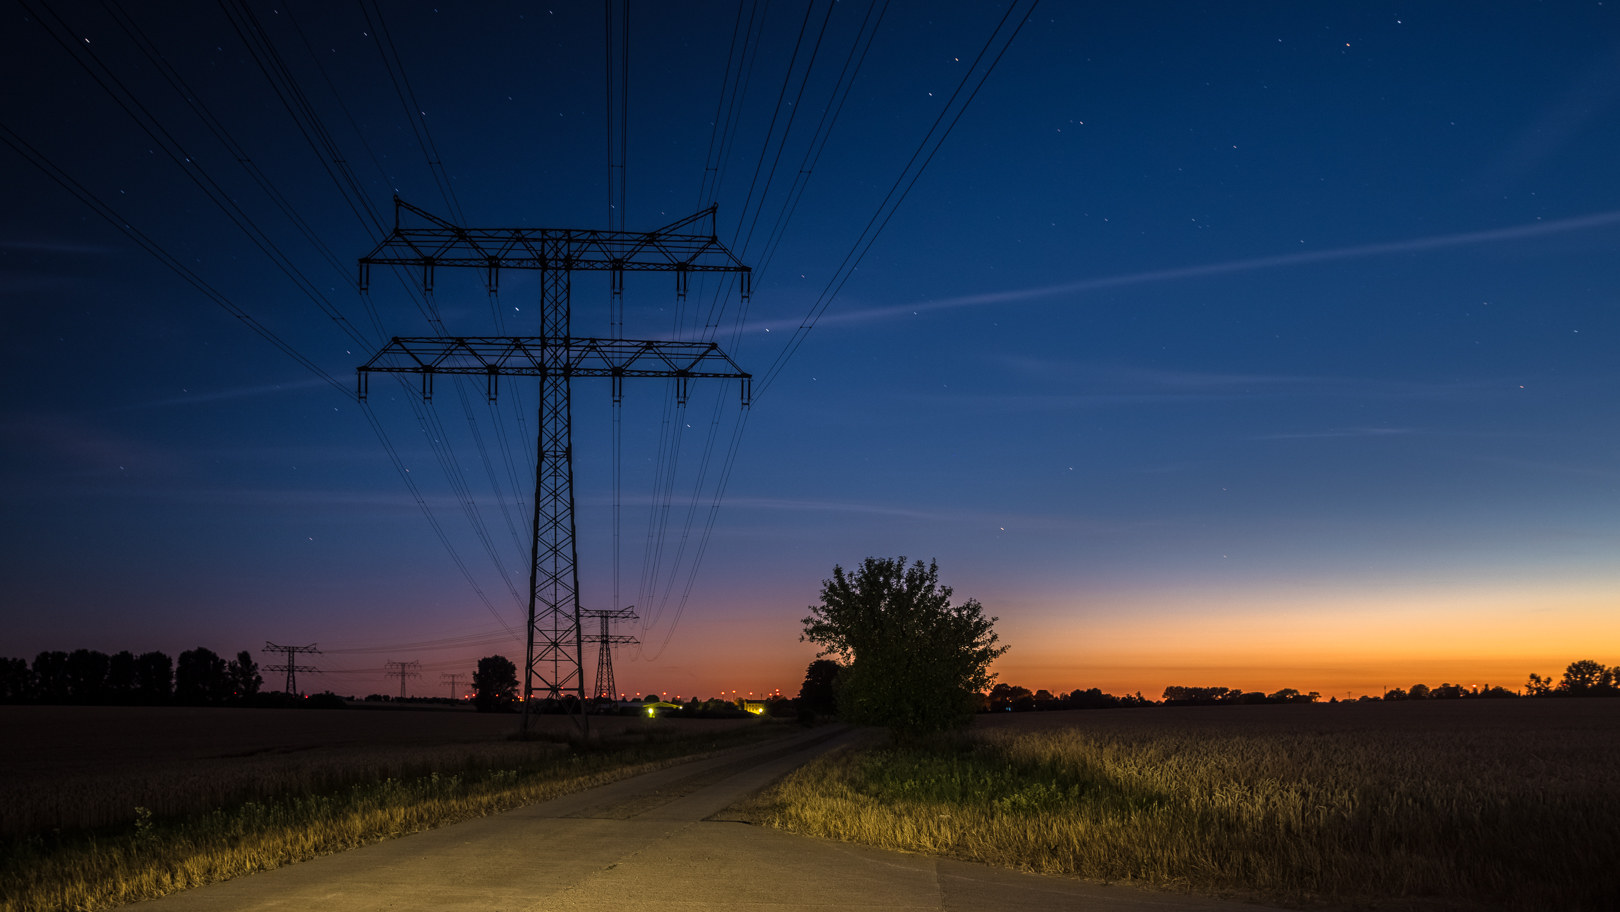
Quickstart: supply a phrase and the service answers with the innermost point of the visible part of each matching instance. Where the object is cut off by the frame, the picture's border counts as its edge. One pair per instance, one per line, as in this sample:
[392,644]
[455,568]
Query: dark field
[1555,719]
[1438,804]
[86,766]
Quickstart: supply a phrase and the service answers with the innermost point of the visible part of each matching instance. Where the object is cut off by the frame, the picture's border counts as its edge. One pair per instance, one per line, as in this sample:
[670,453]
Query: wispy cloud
[76,445]
[1107,386]
[825,506]
[1414,245]
[242,392]
[1001,521]
[1339,432]
[1594,93]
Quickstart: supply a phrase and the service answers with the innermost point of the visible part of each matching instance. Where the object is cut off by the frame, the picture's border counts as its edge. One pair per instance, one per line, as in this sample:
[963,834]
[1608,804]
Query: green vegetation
[913,662]
[1282,813]
[150,857]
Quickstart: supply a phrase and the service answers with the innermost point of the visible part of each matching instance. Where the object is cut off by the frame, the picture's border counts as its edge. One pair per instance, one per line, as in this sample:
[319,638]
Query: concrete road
[645,844]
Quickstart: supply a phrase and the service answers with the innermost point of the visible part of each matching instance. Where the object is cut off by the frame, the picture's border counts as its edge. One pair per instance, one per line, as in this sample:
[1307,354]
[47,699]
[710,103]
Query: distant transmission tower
[555,639]
[606,688]
[290,667]
[404,670]
[454,680]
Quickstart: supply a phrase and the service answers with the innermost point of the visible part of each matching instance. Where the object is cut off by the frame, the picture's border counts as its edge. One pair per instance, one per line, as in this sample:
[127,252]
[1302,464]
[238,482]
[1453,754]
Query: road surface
[646,844]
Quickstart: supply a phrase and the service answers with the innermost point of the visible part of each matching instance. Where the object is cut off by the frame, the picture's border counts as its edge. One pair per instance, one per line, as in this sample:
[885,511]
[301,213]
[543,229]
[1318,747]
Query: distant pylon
[404,670]
[454,680]
[291,668]
[606,639]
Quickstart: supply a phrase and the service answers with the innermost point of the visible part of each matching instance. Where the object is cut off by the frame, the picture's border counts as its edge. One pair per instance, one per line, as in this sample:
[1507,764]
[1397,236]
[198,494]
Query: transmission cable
[836,283]
[89,199]
[885,212]
[191,168]
[413,110]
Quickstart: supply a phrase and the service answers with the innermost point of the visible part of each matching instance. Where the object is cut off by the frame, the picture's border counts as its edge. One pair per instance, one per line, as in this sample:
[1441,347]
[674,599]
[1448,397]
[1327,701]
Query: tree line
[897,652]
[88,677]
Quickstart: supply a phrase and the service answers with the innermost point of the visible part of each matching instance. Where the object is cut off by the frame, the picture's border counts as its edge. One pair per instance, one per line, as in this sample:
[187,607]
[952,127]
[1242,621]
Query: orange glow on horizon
[1361,642]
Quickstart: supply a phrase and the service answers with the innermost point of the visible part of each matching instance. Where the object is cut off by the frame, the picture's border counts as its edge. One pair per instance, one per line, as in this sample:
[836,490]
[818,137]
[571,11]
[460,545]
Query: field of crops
[184,797]
[1446,804]
[67,767]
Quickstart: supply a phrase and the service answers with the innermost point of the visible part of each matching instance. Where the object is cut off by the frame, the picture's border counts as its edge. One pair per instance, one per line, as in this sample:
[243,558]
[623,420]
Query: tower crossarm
[532,356]
[677,247]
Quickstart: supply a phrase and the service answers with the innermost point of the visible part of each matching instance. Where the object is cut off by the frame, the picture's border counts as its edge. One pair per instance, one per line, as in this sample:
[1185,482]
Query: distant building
[757,707]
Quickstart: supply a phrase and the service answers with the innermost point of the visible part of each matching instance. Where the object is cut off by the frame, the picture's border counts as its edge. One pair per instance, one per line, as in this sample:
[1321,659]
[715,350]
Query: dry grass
[1500,805]
[75,767]
[148,856]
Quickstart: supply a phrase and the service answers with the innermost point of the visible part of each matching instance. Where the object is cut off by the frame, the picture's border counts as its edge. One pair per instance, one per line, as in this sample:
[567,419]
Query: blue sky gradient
[1263,346]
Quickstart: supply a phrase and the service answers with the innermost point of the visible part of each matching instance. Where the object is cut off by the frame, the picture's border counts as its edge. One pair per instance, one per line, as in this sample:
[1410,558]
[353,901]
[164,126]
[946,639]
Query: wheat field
[76,767]
[1428,806]
[304,814]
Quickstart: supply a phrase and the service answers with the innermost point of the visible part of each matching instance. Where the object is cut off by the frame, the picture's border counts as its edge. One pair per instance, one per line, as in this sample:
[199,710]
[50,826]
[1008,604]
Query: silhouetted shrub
[324,700]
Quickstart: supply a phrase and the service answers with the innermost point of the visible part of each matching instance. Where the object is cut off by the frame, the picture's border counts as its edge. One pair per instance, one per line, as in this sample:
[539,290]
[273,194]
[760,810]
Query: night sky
[1250,346]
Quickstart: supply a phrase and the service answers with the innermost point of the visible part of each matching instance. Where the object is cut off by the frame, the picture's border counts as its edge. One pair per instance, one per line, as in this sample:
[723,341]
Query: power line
[402,670]
[842,85]
[148,123]
[413,109]
[286,85]
[78,190]
[665,469]
[454,680]
[842,275]
[907,179]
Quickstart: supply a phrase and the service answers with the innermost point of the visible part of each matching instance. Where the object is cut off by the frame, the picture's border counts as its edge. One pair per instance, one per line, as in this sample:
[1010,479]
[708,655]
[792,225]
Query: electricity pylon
[606,687]
[555,653]
[454,680]
[403,670]
[291,668]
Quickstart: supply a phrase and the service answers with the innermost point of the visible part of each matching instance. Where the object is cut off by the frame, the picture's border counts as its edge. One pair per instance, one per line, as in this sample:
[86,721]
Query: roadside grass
[1453,819]
[87,767]
[152,856]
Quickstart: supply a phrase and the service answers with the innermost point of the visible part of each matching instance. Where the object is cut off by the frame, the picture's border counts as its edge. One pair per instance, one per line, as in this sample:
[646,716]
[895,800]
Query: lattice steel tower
[291,667]
[555,658]
[606,639]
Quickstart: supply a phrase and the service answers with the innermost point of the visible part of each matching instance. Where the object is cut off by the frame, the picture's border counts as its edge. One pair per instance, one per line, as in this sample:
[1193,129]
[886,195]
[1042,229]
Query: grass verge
[88,870]
[1299,818]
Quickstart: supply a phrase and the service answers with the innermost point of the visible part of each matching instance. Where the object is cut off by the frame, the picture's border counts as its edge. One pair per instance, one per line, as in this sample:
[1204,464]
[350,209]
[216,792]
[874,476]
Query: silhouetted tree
[495,685]
[914,662]
[201,678]
[1003,696]
[1418,692]
[1203,695]
[121,677]
[1583,678]
[50,677]
[16,681]
[1091,699]
[154,677]
[323,700]
[244,675]
[1396,694]
[819,692]
[86,673]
